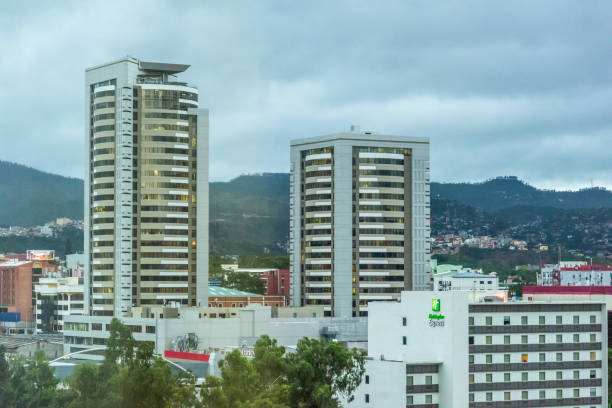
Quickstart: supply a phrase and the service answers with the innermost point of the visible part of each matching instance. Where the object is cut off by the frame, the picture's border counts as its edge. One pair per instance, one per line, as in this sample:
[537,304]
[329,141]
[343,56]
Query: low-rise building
[219,296]
[213,328]
[55,299]
[438,349]
[17,281]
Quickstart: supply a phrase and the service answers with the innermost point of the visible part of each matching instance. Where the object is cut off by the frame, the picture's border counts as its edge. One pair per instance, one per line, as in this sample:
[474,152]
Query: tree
[316,375]
[247,282]
[320,371]
[26,383]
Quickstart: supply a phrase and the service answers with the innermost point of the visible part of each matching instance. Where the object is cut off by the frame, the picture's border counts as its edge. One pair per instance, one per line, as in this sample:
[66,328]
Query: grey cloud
[517,87]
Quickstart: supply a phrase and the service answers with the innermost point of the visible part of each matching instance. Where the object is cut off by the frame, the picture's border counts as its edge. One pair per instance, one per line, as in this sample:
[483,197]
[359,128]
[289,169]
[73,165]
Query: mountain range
[250,214]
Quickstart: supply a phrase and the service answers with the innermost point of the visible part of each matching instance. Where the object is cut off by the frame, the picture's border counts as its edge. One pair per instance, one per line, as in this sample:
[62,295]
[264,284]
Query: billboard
[40,254]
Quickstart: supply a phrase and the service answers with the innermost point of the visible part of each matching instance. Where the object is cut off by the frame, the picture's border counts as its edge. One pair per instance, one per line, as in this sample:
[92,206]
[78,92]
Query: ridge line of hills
[250,214]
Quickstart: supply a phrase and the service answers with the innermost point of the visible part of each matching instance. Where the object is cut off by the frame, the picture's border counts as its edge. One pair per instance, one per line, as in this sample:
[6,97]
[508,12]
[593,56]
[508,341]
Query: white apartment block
[57,298]
[437,349]
[146,188]
[360,220]
[466,280]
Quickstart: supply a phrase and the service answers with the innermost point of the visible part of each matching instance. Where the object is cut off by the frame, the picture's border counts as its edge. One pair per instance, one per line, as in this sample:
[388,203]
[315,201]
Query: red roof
[567,290]
[588,268]
[186,356]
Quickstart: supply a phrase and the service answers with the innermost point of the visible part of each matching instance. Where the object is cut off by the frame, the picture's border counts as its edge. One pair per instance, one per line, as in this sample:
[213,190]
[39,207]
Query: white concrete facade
[359,220]
[488,354]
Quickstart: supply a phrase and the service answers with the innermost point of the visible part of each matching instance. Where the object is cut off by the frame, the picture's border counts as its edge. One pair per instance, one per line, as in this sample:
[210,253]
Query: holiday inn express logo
[436,319]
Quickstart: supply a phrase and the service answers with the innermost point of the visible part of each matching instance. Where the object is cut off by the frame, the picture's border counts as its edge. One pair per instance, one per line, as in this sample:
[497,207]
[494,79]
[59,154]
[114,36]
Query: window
[403,321]
[404,340]
[471,378]
[506,358]
[506,320]
[524,339]
[367,379]
[489,358]
[592,338]
[592,319]
[506,377]
[525,395]
[471,320]
[506,396]
[559,320]
[559,375]
[524,320]
[409,380]
[489,339]
[428,399]
[471,340]
[576,338]
[559,394]
[524,376]
[150,329]
[471,397]
[524,358]
[593,355]
[576,392]
[367,398]
[559,356]
[542,320]
[592,374]
[428,380]
[542,338]
[593,392]
[409,400]
[506,339]
[96,326]
[489,396]
[576,355]
[542,376]
[542,394]
[559,338]
[471,358]
[489,378]
[576,319]
[542,357]
[576,374]
[489,320]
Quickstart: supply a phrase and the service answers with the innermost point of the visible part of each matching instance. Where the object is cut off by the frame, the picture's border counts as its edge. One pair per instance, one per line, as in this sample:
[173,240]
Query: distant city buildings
[359,220]
[146,188]
[575,273]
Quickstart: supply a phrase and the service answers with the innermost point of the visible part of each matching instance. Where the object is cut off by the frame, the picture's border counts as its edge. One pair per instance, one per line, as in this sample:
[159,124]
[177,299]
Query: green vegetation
[131,376]
[248,282]
[31,197]
[501,261]
[314,376]
[68,240]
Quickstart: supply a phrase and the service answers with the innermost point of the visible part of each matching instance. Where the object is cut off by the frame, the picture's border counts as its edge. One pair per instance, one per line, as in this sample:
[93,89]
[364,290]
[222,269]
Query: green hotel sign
[436,319]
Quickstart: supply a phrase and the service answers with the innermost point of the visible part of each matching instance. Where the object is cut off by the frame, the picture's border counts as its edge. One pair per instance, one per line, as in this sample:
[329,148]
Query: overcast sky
[500,87]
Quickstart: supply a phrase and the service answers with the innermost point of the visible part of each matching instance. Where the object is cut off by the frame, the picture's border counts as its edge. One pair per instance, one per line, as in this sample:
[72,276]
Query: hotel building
[437,349]
[360,218]
[146,188]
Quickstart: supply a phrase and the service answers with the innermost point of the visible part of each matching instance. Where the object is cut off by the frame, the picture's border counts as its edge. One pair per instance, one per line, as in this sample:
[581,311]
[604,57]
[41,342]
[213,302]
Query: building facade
[360,219]
[146,188]
[466,280]
[449,352]
[57,298]
[17,282]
